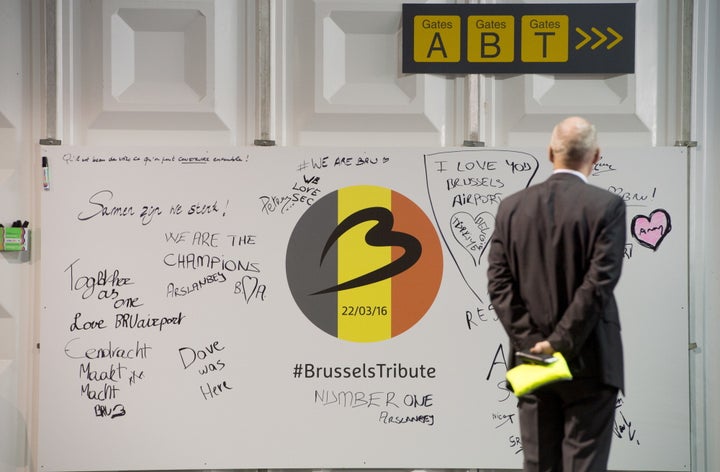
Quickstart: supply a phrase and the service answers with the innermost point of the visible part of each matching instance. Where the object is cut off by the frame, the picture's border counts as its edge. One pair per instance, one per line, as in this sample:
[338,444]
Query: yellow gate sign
[519,38]
[491,38]
[545,38]
[437,38]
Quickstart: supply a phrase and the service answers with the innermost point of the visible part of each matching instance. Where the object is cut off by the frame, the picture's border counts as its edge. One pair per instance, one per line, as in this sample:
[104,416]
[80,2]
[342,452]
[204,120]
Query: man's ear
[596,157]
[551,155]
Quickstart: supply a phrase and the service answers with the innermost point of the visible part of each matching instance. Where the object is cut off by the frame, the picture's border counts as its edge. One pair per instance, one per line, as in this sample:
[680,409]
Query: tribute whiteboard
[322,308]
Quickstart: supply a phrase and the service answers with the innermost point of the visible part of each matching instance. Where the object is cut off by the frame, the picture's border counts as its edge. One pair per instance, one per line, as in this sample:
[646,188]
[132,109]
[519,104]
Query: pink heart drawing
[651,230]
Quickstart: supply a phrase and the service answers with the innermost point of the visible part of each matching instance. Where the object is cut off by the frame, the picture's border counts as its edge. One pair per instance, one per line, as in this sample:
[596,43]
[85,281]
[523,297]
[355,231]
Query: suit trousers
[567,426]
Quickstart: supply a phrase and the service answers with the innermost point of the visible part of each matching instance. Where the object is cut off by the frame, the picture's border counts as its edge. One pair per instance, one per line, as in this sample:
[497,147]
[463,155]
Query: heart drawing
[651,230]
[473,232]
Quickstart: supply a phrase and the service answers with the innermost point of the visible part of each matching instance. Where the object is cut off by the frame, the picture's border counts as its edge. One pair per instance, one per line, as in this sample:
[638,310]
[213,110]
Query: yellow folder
[525,378]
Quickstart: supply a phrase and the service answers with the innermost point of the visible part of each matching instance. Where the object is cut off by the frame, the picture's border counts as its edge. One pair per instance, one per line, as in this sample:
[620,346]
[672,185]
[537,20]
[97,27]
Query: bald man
[554,260]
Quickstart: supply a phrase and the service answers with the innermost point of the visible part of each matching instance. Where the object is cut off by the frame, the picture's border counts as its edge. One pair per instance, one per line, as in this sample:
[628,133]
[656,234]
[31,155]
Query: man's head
[573,145]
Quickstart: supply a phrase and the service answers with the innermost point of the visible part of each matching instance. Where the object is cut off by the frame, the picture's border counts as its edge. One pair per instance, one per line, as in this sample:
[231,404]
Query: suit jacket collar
[577,174]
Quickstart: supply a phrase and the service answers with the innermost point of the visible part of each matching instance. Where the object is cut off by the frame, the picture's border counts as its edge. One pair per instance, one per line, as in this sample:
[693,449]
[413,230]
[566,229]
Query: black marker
[46,173]
[531,358]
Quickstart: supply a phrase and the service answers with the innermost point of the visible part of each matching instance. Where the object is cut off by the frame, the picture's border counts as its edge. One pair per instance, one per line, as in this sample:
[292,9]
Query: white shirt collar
[573,172]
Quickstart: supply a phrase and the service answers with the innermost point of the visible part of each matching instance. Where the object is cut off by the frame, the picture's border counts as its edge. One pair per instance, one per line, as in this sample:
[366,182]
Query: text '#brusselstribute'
[379,370]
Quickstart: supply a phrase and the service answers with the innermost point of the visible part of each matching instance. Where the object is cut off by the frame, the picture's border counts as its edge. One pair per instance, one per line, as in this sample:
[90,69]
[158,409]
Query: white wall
[335,81]
[16,360]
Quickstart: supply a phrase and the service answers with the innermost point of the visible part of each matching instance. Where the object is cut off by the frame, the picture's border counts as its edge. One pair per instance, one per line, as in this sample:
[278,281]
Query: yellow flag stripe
[363,312]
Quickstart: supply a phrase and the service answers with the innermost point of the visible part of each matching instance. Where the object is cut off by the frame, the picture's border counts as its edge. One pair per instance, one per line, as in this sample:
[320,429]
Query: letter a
[495,362]
[437,45]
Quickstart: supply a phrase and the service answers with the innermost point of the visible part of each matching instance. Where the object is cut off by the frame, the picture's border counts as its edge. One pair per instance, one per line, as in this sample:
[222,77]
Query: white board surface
[178,332]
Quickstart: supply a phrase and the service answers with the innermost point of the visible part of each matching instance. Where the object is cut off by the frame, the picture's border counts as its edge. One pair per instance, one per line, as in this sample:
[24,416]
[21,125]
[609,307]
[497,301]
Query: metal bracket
[471,143]
[264,142]
[50,142]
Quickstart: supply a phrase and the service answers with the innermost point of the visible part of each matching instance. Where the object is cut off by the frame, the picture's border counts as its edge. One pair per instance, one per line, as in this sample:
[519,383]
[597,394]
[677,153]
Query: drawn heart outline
[651,230]
[249,285]
[473,232]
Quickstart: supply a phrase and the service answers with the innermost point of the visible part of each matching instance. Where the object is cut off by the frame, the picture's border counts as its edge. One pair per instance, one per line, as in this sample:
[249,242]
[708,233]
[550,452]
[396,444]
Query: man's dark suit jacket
[555,258]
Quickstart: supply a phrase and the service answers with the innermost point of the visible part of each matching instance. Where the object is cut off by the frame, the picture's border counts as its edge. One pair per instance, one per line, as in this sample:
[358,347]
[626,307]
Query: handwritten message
[168,307]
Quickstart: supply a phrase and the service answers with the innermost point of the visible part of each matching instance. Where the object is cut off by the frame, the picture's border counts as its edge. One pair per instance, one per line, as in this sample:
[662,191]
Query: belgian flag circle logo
[364,263]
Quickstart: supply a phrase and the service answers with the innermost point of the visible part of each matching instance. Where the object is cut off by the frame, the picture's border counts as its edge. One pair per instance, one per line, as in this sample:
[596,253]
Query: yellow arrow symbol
[584,41]
[618,38]
[602,37]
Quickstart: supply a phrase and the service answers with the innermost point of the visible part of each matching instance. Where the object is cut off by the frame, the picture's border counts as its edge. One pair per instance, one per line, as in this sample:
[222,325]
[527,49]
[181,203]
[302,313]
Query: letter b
[489,45]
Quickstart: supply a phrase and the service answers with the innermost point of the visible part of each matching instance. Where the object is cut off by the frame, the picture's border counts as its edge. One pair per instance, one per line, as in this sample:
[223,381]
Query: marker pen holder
[14,239]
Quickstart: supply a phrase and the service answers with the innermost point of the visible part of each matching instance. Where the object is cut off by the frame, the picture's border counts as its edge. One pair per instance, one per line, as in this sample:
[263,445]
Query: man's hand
[542,347]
